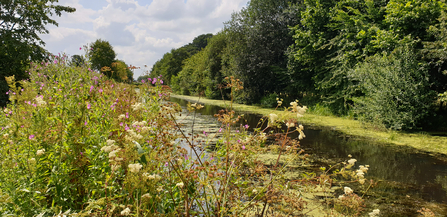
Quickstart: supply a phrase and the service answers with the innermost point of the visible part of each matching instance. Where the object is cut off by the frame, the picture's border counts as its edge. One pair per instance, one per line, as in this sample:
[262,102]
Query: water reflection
[422,175]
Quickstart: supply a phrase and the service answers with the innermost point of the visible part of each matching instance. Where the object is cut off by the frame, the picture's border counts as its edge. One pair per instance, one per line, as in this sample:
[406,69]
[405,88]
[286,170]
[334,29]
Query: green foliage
[258,37]
[201,73]
[333,37]
[77,60]
[396,90]
[270,101]
[21,22]
[101,54]
[171,63]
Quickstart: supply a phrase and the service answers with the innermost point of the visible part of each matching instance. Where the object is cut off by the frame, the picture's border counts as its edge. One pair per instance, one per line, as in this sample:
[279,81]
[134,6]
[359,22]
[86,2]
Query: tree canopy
[21,22]
[101,54]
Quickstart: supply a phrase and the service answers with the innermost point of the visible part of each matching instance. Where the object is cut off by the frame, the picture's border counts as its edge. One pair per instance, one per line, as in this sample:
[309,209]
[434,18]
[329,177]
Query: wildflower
[363,168]
[254,191]
[301,136]
[125,211]
[89,106]
[135,168]
[110,142]
[155,177]
[341,197]
[40,152]
[109,148]
[349,155]
[146,196]
[5,136]
[122,116]
[91,88]
[243,147]
[112,154]
[100,90]
[374,213]
[348,190]
[290,124]
[246,126]
[31,137]
[39,101]
[352,161]
[180,184]
[32,160]
[272,118]
[220,130]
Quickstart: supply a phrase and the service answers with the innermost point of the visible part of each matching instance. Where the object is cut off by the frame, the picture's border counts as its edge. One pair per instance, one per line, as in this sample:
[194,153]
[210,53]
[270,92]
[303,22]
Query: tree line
[378,60]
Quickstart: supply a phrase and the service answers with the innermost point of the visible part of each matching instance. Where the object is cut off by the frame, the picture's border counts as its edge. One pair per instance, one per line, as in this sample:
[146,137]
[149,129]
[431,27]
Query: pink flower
[220,130]
[89,106]
[243,147]
[85,123]
[100,90]
[31,137]
[154,81]
[246,126]
[161,81]
[127,114]
[91,88]
[80,48]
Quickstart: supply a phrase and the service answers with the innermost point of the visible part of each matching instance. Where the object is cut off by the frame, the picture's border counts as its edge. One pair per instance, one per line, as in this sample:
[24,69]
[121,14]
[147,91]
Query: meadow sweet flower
[32,160]
[146,196]
[122,116]
[135,168]
[109,148]
[352,161]
[348,190]
[272,118]
[110,142]
[374,213]
[180,185]
[125,211]
[40,152]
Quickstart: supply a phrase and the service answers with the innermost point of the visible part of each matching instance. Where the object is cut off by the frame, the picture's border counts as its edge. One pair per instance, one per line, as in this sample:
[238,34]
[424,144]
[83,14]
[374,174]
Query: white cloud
[140,31]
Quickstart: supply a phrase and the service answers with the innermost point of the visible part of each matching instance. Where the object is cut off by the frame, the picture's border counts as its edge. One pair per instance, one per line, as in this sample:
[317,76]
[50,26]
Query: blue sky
[139,31]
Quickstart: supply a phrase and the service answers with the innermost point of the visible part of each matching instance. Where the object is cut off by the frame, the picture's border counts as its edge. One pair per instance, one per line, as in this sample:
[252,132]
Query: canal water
[407,179]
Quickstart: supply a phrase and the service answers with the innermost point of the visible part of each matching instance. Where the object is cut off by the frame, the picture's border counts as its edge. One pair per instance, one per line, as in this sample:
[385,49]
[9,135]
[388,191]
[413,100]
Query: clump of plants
[76,143]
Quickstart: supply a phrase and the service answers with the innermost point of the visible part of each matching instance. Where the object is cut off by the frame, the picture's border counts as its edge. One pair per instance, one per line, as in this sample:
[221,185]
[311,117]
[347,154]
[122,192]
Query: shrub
[396,90]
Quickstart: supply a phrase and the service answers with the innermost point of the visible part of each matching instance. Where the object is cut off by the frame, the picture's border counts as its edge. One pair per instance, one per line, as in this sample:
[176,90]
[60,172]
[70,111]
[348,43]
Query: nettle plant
[76,143]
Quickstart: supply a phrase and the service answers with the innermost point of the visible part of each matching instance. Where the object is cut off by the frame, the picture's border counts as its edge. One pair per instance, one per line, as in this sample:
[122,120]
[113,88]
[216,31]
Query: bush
[396,90]
[269,101]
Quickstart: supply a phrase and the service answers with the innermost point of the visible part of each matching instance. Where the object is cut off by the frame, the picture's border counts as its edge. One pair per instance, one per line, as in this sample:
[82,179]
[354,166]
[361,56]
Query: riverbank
[423,142]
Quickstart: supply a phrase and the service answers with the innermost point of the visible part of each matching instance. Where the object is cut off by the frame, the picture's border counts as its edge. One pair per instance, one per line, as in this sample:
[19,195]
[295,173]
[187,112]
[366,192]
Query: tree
[77,60]
[258,37]
[101,54]
[21,22]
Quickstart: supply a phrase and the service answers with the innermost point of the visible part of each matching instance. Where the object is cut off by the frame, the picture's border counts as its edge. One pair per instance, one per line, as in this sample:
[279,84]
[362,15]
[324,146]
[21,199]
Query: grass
[427,143]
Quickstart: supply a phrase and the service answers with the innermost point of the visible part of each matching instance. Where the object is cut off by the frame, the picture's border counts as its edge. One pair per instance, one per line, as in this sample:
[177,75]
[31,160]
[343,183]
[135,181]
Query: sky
[140,31]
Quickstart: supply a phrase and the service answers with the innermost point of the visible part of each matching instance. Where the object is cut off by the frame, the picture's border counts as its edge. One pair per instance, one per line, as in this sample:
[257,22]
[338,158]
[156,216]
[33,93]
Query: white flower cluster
[300,130]
[298,109]
[374,213]
[125,211]
[135,168]
[40,152]
[112,149]
[132,136]
[146,196]
[136,106]
[272,118]
[39,101]
[180,185]
[347,191]
[361,173]
[32,160]
[122,116]
[147,176]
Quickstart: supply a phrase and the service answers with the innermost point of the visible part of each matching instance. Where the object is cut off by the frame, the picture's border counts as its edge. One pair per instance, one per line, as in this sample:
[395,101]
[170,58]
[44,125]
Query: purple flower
[31,137]
[154,81]
[166,164]
[204,132]
[243,147]
[220,130]
[143,81]
[91,88]
[89,106]
[100,90]
[127,128]
[246,126]
[121,124]
[238,141]
[161,81]
[85,123]
[80,48]
[127,114]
